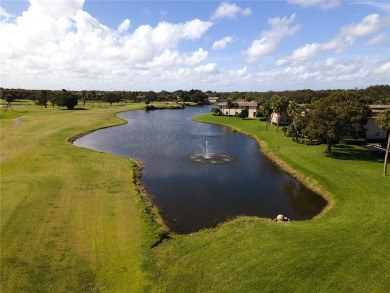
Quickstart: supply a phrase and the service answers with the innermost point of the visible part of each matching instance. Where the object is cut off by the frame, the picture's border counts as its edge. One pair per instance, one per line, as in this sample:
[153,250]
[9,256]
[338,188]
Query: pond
[193,194]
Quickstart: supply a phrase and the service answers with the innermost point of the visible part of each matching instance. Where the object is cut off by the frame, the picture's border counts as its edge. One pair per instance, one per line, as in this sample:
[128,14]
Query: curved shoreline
[305,180]
[152,210]
[145,205]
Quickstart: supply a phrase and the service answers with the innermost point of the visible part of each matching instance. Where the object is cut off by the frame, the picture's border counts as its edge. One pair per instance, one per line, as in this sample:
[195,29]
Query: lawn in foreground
[69,216]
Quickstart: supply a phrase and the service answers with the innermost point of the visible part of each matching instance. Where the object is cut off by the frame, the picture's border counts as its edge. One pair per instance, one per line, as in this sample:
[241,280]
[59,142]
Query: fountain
[206,154]
[210,158]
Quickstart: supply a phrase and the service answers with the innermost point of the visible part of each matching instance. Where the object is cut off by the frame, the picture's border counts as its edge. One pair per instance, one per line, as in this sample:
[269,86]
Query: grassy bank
[345,249]
[72,219]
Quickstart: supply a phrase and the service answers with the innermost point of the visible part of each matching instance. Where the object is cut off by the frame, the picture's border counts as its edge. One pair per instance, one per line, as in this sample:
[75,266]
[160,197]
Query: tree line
[376,94]
[70,99]
[340,115]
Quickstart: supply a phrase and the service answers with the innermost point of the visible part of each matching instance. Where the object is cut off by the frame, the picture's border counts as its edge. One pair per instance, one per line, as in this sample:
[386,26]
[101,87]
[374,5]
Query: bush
[290,131]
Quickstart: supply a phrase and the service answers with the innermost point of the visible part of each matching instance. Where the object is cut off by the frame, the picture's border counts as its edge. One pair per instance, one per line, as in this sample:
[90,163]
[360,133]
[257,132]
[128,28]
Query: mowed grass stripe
[69,216]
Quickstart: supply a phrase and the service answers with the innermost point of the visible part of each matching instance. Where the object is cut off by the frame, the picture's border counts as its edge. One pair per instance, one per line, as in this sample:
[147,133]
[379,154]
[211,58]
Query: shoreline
[162,229]
[305,180]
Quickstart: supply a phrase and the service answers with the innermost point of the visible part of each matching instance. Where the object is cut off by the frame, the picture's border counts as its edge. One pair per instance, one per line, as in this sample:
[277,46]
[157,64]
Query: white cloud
[207,68]
[338,44]
[230,11]
[305,52]
[377,39]
[58,44]
[59,41]
[166,59]
[345,38]
[322,4]
[380,5]
[221,44]
[239,72]
[280,28]
[4,14]
[383,69]
[124,26]
[329,62]
[196,57]
[370,24]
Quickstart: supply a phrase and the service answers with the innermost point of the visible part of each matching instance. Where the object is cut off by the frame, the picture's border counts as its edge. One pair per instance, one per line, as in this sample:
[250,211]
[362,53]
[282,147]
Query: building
[250,106]
[281,118]
[213,100]
[374,132]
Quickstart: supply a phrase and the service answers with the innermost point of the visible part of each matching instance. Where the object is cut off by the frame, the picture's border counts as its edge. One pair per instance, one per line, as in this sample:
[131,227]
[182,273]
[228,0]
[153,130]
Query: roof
[376,109]
[241,104]
[379,107]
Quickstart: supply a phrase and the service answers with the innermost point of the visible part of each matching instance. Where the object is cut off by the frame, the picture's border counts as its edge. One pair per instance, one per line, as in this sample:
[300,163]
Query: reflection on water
[190,195]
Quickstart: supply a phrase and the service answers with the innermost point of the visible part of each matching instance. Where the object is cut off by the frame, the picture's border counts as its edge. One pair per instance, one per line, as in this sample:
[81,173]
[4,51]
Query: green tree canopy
[333,117]
[112,97]
[66,99]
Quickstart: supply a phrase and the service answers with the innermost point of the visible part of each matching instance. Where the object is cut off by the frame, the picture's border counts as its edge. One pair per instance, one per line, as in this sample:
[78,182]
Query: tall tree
[111,97]
[65,98]
[279,105]
[9,96]
[84,96]
[294,110]
[42,98]
[229,105]
[265,110]
[383,121]
[336,116]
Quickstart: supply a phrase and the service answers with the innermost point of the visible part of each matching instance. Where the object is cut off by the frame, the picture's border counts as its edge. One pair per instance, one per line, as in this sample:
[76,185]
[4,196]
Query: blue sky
[207,45]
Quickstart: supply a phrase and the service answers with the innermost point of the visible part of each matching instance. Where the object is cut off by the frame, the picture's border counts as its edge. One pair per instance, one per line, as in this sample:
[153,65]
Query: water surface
[191,195]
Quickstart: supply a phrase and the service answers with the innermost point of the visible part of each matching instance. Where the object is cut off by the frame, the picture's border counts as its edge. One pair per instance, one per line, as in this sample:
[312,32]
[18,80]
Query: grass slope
[346,249]
[69,216]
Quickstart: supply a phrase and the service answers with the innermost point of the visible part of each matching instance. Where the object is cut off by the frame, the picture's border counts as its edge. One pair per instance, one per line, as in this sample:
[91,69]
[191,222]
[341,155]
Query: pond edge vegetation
[154,226]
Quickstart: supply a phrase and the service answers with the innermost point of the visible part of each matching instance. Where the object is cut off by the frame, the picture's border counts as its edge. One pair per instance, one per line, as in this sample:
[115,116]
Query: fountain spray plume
[206,154]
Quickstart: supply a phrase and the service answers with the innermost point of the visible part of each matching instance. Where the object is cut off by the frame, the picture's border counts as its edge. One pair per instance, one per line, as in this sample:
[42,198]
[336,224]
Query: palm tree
[383,121]
[229,105]
[266,111]
[284,107]
[294,111]
[279,105]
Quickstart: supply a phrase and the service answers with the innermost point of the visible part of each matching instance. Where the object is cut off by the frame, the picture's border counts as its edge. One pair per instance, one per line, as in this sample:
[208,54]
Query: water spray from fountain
[208,157]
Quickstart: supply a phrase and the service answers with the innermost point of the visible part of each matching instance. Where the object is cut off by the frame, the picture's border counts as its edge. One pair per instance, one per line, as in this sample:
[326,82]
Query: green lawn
[69,216]
[72,219]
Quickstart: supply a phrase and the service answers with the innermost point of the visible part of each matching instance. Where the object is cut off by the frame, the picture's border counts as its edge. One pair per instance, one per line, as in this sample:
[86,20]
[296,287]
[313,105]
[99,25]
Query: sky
[207,45]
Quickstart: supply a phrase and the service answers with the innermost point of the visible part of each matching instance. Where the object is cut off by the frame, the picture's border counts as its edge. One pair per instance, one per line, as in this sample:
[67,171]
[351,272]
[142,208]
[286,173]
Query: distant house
[250,106]
[213,100]
[281,118]
[374,132]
